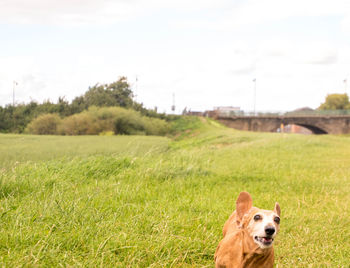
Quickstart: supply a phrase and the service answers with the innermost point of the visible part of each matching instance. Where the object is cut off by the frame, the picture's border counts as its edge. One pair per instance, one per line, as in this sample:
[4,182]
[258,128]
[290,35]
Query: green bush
[106,116]
[79,124]
[44,124]
[155,126]
[128,122]
[99,120]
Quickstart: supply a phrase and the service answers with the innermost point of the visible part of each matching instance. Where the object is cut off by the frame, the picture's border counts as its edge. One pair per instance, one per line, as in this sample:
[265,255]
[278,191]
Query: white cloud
[65,12]
[81,12]
[254,12]
[257,11]
[214,66]
[301,52]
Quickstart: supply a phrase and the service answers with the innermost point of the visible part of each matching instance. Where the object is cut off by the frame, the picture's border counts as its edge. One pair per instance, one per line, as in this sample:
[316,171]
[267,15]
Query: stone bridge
[318,124]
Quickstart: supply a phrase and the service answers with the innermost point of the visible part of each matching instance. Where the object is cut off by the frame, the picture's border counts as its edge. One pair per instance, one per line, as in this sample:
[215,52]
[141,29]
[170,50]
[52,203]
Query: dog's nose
[269,230]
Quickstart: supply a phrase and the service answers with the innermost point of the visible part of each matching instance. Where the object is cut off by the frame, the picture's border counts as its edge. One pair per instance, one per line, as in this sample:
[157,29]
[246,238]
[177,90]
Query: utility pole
[13,93]
[254,80]
[173,106]
[135,94]
[345,85]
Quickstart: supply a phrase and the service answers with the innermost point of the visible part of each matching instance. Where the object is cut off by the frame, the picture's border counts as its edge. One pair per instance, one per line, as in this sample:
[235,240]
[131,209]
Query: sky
[207,53]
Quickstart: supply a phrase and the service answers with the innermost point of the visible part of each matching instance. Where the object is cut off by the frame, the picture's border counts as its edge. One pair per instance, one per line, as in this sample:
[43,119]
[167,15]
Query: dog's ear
[243,204]
[277,209]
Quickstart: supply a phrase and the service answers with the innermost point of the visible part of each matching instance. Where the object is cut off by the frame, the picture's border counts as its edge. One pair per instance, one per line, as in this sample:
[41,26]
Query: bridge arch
[314,129]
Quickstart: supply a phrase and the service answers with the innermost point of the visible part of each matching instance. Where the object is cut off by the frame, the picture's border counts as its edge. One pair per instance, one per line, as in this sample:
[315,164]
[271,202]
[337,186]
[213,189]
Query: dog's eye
[277,220]
[257,217]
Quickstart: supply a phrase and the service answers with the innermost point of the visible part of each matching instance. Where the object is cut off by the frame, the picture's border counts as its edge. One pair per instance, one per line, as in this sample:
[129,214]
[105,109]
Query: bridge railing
[283,113]
[319,113]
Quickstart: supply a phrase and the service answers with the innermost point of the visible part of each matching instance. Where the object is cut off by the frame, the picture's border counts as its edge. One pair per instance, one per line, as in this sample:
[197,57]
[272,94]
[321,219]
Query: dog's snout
[269,230]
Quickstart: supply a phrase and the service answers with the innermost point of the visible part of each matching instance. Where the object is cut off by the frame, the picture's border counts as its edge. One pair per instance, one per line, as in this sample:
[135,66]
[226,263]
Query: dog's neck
[253,255]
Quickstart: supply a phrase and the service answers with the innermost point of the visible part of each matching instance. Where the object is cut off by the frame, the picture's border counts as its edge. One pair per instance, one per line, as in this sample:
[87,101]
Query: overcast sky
[206,52]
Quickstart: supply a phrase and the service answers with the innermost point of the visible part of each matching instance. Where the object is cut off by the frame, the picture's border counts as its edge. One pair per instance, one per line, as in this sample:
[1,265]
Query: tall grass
[166,203]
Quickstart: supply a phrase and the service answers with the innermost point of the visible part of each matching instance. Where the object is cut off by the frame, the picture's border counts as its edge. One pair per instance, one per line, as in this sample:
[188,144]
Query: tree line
[16,118]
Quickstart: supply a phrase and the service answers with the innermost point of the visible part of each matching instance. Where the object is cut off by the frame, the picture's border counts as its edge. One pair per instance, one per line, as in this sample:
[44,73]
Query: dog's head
[262,225]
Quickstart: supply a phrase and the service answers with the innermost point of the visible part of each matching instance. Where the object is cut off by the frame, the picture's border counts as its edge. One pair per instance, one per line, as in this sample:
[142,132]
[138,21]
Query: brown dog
[248,236]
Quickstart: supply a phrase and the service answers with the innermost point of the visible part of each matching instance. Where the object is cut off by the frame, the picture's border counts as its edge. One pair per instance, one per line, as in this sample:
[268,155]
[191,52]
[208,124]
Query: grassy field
[152,202]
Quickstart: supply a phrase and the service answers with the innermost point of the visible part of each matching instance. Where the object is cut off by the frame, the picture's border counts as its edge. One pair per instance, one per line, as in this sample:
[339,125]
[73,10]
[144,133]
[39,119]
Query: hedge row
[98,121]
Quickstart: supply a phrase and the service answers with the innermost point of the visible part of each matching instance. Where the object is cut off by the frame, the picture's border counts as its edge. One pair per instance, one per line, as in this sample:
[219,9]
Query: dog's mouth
[266,241]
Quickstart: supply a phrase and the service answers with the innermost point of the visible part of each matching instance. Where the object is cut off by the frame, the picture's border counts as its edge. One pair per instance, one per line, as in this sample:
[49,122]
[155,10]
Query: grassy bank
[151,201]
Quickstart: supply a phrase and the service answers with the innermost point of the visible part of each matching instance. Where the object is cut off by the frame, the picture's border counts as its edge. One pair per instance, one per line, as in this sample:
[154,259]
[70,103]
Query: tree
[115,94]
[335,102]
[121,92]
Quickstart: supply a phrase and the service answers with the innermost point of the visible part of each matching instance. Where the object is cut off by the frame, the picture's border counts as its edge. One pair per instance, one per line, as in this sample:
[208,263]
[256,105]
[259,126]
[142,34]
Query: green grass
[150,201]
[22,148]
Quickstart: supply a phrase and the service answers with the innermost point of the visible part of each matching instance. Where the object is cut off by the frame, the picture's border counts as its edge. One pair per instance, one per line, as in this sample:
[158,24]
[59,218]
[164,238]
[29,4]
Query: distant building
[227,110]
